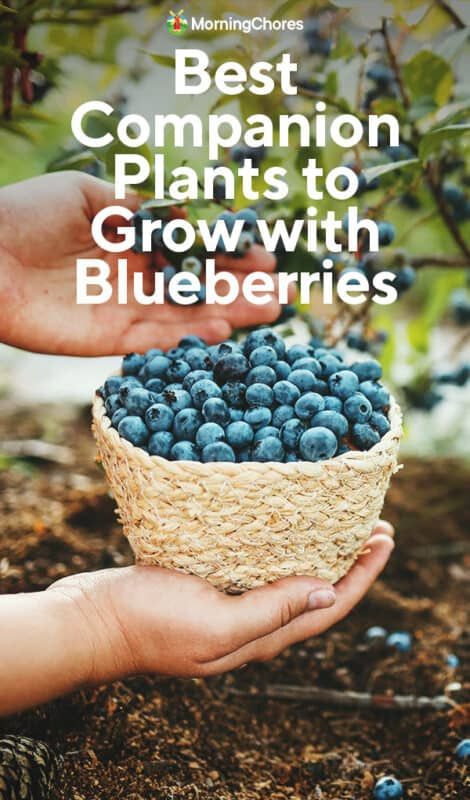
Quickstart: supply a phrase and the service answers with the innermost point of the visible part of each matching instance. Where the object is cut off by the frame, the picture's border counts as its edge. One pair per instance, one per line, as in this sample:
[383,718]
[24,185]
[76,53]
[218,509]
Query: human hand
[45,225]
[147,619]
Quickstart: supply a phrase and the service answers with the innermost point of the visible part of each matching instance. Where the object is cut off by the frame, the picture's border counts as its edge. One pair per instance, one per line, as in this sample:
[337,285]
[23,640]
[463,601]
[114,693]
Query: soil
[222,738]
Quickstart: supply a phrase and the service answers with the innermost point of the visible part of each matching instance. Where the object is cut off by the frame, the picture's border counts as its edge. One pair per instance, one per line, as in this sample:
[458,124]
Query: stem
[452,14]
[394,64]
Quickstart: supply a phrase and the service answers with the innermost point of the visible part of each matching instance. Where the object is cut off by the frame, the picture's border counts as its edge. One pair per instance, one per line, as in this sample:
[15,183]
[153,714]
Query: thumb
[262,611]
[99,194]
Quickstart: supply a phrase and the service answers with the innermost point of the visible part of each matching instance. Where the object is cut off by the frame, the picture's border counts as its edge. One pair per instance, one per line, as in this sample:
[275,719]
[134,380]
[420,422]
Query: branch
[394,64]
[459,23]
[348,699]
[436,190]
[451,262]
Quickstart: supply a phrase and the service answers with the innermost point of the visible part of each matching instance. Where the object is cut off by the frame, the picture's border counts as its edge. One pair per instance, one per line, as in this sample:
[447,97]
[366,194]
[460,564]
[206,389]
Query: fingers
[349,591]
[257,258]
[145,333]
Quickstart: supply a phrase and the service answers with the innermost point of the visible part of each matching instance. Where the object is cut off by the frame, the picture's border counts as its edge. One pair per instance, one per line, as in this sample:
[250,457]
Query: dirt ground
[223,738]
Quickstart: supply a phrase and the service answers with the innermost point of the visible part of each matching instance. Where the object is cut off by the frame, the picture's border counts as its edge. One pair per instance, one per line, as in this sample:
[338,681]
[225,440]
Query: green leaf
[428,75]
[72,161]
[434,139]
[164,61]
[371,173]
[7,9]
[331,84]
[158,205]
[117,148]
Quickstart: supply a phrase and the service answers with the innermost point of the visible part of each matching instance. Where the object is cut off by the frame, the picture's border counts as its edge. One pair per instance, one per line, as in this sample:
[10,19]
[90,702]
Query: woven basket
[242,525]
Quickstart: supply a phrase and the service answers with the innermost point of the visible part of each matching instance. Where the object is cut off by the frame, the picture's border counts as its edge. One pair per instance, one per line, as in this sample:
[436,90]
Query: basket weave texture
[243,525]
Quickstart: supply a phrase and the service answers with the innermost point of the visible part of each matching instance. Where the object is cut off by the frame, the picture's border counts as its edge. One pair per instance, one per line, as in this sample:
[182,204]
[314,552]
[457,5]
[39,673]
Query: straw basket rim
[359,460]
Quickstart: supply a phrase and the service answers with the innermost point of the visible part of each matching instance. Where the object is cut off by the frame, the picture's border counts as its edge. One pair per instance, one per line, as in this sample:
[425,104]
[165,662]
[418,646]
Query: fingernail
[321,598]
[384,527]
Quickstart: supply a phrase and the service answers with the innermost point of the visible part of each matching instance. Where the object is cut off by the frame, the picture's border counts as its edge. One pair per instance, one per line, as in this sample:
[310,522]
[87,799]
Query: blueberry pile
[255,400]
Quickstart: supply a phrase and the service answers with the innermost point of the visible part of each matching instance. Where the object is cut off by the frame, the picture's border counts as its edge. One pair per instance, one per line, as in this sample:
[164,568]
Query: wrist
[92,629]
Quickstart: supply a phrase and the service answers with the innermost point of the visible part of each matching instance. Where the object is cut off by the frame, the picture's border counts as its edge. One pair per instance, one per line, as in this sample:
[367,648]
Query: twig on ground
[35,448]
[349,699]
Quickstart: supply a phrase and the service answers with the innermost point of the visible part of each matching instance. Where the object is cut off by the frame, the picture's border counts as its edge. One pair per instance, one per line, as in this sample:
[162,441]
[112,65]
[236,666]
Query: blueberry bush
[407,58]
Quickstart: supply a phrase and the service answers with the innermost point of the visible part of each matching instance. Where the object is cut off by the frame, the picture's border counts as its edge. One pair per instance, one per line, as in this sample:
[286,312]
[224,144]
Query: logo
[177,23]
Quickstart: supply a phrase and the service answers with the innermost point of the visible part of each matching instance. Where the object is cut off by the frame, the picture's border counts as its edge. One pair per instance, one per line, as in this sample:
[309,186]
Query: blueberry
[198,358]
[224,349]
[367,370]
[169,272]
[263,433]
[216,410]
[375,393]
[249,217]
[244,455]
[157,367]
[400,640]
[364,435]
[236,414]
[160,444]
[191,341]
[332,420]
[131,382]
[388,788]
[268,449]
[178,370]
[187,423]
[316,444]
[303,379]
[462,751]
[286,393]
[357,408]
[152,353]
[406,277]
[343,384]
[290,456]
[174,353]
[263,356]
[261,374]
[230,368]
[329,365]
[308,405]
[380,73]
[379,422]
[218,451]
[134,430]
[452,660]
[291,431]
[112,385]
[202,390]
[245,241]
[177,399]
[184,451]
[258,394]
[132,363]
[155,385]
[386,233]
[264,336]
[311,364]
[299,351]
[234,394]
[196,375]
[282,370]
[240,152]
[258,417]
[333,404]
[375,632]
[118,415]
[112,404]
[137,401]
[281,414]
[239,435]
[159,418]
[209,433]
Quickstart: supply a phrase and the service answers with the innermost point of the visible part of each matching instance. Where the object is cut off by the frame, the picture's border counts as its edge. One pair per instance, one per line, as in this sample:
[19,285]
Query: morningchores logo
[178,24]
